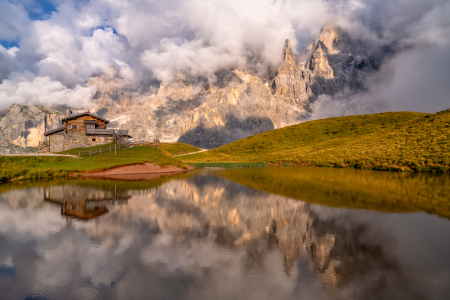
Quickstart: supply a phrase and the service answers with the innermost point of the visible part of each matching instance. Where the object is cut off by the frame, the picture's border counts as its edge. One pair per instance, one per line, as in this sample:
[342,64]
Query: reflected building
[83,203]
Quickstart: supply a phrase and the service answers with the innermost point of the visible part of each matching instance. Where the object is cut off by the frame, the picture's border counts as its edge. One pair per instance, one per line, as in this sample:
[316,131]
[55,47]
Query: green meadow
[396,141]
[35,167]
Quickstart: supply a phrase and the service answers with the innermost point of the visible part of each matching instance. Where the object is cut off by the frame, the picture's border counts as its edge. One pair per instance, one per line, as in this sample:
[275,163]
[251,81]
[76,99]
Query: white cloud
[148,40]
[29,89]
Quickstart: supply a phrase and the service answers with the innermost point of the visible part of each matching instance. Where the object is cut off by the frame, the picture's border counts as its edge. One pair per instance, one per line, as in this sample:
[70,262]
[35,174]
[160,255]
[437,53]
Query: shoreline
[142,171]
[390,168]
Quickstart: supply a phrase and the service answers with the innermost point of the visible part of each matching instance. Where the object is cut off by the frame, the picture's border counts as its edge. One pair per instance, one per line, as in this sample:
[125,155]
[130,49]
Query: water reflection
[82,202]
[204,236]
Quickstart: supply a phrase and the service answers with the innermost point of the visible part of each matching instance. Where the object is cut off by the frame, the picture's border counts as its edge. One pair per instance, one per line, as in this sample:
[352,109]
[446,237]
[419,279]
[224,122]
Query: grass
[179,148]
[396,141]
[76,151]
[173,148]
[35,167]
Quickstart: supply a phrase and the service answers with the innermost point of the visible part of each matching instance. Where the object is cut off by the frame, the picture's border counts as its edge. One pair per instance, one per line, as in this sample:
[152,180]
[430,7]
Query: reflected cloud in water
[205,236]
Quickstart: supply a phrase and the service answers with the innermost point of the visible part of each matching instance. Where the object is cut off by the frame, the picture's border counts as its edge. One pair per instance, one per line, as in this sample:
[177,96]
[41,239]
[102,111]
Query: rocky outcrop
[23,127]
[289,82]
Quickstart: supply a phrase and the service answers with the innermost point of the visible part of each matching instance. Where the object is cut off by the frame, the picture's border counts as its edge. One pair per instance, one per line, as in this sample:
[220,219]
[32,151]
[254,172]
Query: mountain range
[205,112]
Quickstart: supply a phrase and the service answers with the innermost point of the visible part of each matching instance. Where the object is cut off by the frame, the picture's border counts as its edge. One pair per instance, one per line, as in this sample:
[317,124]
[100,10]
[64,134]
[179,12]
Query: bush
[394,169]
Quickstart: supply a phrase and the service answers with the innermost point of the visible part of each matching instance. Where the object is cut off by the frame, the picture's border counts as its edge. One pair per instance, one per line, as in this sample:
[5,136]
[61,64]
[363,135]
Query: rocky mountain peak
[290,65]
[329,36]
[319,62]
[288,53]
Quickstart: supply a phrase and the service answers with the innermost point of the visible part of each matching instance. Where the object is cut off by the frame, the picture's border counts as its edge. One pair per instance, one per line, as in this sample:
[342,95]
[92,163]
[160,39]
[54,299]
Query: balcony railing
[99,131]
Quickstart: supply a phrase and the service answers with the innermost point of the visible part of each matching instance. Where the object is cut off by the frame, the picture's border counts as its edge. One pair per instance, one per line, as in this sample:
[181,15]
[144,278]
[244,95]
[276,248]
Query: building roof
[54,131]
[87,113]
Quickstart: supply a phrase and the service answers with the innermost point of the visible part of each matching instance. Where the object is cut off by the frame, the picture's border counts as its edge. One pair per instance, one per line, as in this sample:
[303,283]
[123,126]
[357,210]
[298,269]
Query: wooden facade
[80,131]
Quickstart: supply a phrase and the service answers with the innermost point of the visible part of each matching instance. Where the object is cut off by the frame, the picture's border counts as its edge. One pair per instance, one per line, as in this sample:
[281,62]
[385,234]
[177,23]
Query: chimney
[69,112]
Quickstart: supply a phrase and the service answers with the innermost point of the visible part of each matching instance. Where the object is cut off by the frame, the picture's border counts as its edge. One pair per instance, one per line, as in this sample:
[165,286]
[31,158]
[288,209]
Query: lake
[263,233]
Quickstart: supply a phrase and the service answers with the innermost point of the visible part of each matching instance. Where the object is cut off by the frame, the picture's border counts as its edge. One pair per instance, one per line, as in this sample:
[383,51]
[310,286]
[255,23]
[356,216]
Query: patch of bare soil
[146,171]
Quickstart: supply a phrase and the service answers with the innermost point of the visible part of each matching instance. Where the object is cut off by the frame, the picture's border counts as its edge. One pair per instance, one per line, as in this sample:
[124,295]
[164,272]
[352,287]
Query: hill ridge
[392,140]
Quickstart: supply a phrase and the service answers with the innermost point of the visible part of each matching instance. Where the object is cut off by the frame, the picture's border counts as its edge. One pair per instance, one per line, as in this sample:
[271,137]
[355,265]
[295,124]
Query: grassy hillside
[29,167]
[173,148]
[395,140]
[179,148]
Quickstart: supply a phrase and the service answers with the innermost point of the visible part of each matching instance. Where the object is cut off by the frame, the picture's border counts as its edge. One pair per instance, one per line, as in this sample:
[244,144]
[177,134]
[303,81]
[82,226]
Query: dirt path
[203,150]
[41,154]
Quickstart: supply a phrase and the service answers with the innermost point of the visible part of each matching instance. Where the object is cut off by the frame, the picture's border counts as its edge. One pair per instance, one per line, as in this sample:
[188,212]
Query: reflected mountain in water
[221,213]
[204,236]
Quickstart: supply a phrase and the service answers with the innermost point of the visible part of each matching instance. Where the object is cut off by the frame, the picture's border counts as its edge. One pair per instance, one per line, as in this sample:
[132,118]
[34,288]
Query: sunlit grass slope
[179,148]
[379,141]
[29,167]
[173,148]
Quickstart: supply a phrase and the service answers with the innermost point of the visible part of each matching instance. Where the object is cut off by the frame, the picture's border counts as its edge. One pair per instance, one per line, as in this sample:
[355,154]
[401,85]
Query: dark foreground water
[271,233]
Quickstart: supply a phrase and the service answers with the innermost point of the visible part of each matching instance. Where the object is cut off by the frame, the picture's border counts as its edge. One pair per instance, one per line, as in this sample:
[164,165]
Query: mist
[48,54]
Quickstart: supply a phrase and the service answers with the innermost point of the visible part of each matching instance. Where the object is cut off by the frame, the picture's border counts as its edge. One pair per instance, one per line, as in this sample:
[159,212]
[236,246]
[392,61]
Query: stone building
[79,131]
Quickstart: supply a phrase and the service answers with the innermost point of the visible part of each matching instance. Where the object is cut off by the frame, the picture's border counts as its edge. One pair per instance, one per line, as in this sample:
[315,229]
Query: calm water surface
[270,233]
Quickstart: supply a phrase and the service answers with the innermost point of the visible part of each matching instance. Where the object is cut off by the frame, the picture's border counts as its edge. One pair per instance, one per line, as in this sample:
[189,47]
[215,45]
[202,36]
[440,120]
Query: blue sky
[40,9]
[36,10]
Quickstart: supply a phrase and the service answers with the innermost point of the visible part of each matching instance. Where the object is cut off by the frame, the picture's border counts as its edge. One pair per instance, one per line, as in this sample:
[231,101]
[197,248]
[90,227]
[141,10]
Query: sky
[50,48]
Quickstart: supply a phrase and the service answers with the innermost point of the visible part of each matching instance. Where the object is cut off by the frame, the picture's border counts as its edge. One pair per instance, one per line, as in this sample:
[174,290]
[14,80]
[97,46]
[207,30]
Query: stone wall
[63,142]
[56,143]
[44,147]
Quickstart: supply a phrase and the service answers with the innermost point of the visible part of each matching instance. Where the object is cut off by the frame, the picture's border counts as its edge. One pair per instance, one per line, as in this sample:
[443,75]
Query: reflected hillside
[94,183]
[381,191]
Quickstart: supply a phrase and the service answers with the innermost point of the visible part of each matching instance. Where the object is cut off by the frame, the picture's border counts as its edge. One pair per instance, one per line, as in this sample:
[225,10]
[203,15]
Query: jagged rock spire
[287,51]
[289,66]
[288,82]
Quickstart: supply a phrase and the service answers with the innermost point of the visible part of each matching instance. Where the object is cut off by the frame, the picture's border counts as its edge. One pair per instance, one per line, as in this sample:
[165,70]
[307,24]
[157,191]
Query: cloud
[417,81]
[30,89]
[326,107]
[154,40]
[13,21]
[416,68]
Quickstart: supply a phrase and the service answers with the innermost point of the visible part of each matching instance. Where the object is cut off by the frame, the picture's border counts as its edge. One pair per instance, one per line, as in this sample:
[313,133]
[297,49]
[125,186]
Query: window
[94,140]
[74,141]
[90,126]
[74,126]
